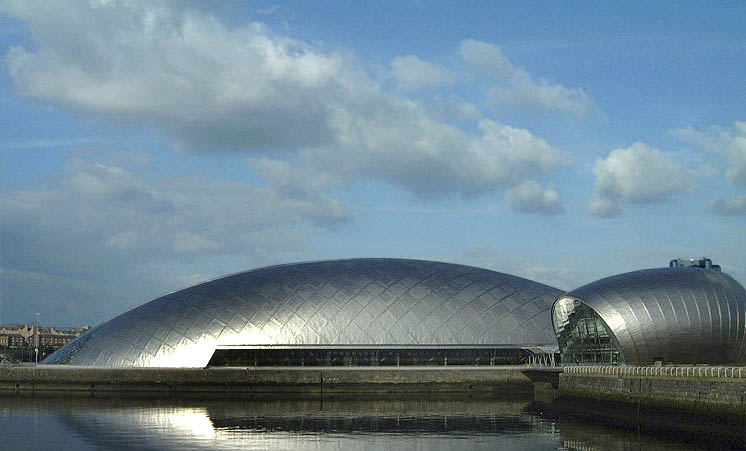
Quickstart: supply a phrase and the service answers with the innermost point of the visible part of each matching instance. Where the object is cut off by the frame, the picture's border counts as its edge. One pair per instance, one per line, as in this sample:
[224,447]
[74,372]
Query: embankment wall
[701,391]
[509,380]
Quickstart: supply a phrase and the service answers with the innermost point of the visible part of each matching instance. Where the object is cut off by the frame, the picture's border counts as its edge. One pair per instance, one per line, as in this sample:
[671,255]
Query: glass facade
[582,335]
[485,356]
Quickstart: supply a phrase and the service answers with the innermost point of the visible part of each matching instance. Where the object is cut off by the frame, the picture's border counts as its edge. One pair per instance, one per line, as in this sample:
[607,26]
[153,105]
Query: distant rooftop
[703,262]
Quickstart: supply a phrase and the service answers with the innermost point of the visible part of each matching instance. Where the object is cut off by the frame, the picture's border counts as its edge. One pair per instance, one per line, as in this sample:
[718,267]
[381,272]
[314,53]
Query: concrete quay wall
[248,381]
[697,390]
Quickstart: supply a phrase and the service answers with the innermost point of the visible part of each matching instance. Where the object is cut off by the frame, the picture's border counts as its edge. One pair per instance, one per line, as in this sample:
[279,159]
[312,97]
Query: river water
[87,423]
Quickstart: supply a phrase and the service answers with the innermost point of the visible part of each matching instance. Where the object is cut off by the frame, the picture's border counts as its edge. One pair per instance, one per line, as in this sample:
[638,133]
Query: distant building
[22,335]
[55,340]
[11,340]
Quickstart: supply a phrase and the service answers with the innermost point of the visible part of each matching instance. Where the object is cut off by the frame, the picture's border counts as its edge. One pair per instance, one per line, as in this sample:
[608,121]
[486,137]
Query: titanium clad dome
[682,315]
[340,302]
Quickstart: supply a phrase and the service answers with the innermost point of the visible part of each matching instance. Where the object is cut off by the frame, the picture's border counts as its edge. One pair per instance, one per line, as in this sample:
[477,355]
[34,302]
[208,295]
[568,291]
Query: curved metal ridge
[339,302]
[686,315]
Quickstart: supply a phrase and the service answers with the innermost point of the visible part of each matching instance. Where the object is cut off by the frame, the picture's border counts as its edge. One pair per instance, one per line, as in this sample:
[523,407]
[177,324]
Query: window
[483,356]
[582,335]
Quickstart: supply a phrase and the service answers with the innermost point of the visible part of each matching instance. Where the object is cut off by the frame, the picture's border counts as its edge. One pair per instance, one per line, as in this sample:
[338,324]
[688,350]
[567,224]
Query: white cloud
[210,87]
[413,73]
[523,91]
[727,141]
[400,144]
[732,206]
[636,174]
[515,86]
[487,58]
[529,197]
[292,183]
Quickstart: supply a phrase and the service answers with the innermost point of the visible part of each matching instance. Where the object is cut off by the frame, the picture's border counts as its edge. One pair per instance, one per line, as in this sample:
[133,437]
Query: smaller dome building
[670,315]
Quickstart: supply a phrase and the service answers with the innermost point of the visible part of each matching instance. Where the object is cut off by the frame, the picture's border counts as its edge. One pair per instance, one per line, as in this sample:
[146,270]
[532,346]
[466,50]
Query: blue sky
[145,147]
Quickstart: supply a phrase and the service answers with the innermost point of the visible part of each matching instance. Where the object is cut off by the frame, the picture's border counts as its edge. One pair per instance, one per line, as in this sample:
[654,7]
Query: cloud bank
[309,121]
[213,88]
[100,226]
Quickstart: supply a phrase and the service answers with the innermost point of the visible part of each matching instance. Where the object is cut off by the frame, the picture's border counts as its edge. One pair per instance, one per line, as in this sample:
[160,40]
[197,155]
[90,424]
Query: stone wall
[508,381]
[692,389]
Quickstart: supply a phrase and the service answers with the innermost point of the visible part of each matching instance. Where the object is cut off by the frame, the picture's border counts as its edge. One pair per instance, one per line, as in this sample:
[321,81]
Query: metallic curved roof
[340,302]
[687,315]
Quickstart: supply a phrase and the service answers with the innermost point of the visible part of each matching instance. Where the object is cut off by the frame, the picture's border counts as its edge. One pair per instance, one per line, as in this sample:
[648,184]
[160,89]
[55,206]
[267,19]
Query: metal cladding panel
[340,302]
[685,315]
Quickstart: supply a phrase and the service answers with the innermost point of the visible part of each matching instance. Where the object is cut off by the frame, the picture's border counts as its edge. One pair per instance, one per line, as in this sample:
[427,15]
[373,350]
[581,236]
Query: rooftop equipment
[703,262]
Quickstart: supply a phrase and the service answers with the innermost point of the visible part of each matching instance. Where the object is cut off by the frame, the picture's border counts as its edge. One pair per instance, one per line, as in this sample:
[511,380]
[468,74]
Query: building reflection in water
[300,424]
[353,425]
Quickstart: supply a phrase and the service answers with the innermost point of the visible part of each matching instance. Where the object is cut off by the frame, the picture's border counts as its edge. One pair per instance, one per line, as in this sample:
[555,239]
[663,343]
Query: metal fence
[674,371]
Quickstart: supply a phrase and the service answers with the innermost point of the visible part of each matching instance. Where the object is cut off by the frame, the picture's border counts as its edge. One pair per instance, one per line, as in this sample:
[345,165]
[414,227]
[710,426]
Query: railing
[675,371]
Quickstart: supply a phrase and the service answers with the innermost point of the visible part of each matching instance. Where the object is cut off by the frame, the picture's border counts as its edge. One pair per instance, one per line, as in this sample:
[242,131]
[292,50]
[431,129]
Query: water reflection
[276,425]
[354,425]
[294,424]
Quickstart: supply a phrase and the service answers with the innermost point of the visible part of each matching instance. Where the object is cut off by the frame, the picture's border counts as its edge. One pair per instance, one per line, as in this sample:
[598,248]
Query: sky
[148,146]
